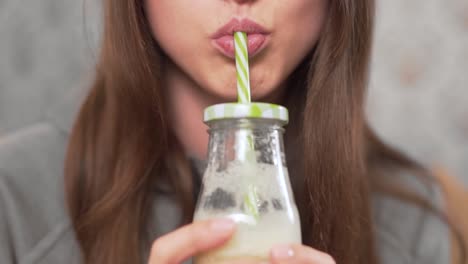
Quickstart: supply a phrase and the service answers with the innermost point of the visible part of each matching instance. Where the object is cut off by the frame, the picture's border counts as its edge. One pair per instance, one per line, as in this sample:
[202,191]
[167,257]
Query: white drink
[277,221]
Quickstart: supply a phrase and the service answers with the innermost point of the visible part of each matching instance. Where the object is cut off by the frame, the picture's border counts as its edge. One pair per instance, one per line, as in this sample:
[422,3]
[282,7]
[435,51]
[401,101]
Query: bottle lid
[247,110]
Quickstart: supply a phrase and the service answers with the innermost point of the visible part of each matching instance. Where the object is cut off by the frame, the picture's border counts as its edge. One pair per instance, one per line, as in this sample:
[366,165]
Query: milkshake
[276,221]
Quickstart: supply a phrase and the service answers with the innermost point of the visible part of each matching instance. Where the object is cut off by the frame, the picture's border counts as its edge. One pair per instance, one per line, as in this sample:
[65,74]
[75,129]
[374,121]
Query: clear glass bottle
[247,180]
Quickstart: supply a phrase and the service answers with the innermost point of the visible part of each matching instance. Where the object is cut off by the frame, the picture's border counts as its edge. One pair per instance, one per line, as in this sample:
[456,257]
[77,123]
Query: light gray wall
[418,98]
[44,51]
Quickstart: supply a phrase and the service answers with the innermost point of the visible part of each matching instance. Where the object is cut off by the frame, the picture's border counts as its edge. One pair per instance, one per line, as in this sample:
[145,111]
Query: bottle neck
[246,123]
[246,140]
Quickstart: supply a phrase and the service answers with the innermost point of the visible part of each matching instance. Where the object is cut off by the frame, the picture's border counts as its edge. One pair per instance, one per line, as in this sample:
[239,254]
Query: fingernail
[222,225]
[282,252]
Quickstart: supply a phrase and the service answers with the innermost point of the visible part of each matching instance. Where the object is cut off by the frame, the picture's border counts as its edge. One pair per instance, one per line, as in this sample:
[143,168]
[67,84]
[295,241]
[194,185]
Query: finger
[190,240]
[299,254]
[245,262]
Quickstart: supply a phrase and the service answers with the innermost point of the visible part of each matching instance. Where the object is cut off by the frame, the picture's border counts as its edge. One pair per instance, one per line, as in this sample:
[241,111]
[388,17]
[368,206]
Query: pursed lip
[245,25]
[257,36]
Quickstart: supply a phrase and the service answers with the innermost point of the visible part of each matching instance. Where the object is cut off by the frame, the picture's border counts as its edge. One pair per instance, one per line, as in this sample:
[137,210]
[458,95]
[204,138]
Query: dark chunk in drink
[277,204]
[219,200]
[263,208]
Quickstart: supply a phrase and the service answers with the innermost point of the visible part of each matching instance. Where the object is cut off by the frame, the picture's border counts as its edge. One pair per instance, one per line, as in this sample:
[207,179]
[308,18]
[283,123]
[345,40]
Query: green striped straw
[242,66]
[245,145]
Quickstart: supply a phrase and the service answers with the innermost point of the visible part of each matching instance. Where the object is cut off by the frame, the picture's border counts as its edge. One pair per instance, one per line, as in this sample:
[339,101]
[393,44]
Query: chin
[265,93]
[260,91]
[256,95]
[222,96]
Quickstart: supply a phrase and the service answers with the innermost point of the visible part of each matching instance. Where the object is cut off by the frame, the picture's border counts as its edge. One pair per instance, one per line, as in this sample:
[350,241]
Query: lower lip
[256,43]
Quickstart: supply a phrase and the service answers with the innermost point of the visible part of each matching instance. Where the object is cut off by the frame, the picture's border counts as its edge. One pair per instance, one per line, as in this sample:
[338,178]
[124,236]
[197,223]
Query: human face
[196,36]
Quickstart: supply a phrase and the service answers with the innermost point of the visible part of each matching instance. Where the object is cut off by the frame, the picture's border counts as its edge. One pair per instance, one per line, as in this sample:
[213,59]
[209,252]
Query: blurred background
[418,97]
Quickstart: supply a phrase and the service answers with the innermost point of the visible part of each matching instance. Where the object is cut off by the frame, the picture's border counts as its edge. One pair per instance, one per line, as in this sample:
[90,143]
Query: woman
[131,162]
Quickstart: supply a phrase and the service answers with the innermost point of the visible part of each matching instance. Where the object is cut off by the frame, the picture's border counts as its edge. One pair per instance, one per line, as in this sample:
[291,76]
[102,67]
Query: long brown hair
[121,144]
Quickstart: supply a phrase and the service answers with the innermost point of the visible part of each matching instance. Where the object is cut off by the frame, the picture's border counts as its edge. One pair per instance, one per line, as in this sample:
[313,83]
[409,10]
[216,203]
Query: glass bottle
[247,180]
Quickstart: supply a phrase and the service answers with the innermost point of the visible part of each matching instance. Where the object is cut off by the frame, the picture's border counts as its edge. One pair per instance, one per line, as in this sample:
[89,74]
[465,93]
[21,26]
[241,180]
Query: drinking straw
[242,67]
[245,144]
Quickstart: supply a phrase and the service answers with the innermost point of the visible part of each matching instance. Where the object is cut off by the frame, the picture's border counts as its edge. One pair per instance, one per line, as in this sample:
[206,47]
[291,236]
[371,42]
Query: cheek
[300,25]
[184,35]
[297,28]
[166,19]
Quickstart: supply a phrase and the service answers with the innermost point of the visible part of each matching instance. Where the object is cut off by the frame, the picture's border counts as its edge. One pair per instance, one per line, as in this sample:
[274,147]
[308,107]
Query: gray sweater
[35,227]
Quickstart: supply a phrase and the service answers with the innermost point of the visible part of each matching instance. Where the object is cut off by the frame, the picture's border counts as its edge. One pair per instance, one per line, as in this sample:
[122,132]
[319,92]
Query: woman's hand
[198,237]
[299,254]
[191,240]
